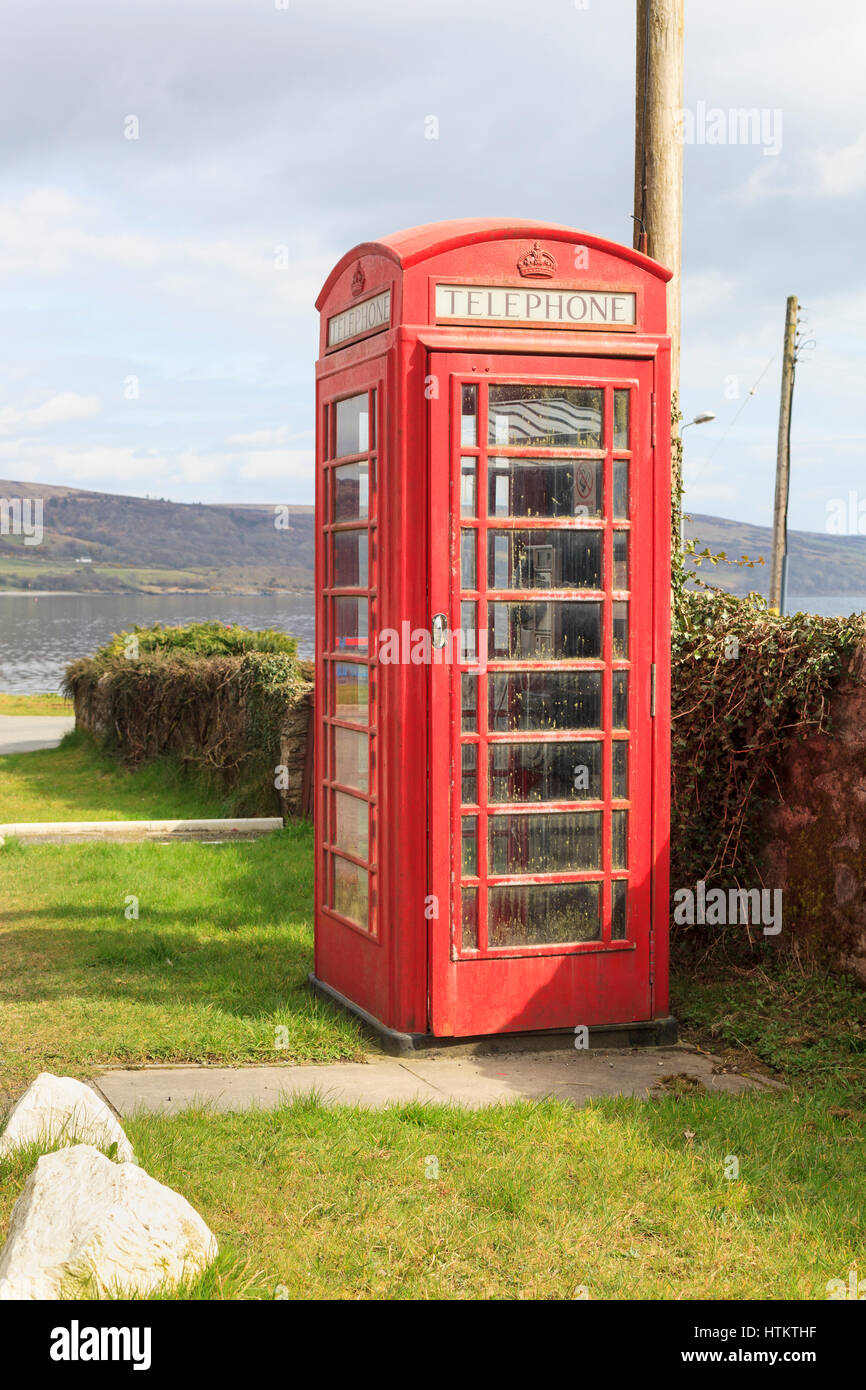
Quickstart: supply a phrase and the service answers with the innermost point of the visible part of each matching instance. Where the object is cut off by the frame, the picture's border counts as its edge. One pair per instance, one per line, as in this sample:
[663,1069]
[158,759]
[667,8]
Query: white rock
[83,1223]
[58,1109]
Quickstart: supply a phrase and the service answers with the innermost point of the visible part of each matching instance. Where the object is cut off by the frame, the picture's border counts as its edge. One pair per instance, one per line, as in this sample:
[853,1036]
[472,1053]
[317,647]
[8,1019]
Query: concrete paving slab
[25,733]
[466,1081]
[573,1076]
[168,1090]
[213,830]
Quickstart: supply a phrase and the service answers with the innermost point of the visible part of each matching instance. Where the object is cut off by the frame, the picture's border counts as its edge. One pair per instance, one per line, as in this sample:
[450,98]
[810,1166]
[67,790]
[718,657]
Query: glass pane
[469,925]
[468,629]
[619,839]
[469,793]
[555,631]
[553,843]
[351,492]
[468,700]
[538,914]
[552,417]
[620,489]
[351,691]
[468,468]
[620,630]
[352,827]
[350,560]
[620,559]
[544,487]
[353,426]
[350,624]
[619,789]
[620,419]
[351,891]
[469,860]
[545,772]
[544,559]
[469,416]
[351,759]
[468,578]
[620,699]
[545,700]
[619,922]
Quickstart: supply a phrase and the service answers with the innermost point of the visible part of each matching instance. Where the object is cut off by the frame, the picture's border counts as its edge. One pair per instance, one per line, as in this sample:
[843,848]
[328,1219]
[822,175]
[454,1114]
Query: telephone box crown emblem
[537,263]
[359,279]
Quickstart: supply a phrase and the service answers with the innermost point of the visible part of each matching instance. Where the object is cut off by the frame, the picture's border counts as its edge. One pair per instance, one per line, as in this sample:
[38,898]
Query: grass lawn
[216,960]
[530,1200]
[35,704]
[77,782]
[624,1198]
[628,1200]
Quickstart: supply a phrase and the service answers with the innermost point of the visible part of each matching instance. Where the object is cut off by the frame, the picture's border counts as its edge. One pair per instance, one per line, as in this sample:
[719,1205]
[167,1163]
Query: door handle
[439,631]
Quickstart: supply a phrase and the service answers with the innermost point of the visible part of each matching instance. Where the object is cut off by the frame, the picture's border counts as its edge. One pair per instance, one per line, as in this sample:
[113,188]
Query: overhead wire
[748,397]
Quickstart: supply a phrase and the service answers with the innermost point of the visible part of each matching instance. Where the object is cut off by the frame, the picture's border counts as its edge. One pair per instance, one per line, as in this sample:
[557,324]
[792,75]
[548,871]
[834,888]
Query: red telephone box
[492,634]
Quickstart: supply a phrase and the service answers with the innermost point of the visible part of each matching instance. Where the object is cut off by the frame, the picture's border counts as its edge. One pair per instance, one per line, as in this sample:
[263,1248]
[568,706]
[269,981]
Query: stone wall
[296,732]
[816,836]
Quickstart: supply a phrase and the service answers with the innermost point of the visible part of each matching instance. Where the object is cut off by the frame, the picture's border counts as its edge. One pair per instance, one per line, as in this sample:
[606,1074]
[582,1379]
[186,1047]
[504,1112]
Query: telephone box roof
[416,244]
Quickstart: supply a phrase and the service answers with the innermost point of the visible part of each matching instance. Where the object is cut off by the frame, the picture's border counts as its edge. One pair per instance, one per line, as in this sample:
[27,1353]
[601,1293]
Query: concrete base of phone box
[654,1032]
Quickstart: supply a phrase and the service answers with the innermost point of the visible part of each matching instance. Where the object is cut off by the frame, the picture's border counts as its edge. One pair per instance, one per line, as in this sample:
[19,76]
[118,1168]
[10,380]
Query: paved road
[23,733]
[467,1081]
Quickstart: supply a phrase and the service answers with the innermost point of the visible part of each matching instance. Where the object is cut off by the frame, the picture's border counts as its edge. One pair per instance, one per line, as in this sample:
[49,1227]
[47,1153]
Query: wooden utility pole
[779,561]
[658,164]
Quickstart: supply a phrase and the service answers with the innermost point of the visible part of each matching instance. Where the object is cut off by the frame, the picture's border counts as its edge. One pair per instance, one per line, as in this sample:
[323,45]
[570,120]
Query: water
[833,606]
[41,633]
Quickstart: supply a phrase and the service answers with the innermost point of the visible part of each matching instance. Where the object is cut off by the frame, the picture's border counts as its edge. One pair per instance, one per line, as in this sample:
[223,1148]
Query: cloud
[106,468]
[261,439]
[842,171]
[49,234]
[304,128]
[60,409]
[704,290]
[278,463]
[198,473]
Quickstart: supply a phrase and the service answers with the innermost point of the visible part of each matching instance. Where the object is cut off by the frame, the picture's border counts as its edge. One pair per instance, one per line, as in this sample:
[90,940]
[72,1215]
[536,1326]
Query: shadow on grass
[239,938]
[243,977]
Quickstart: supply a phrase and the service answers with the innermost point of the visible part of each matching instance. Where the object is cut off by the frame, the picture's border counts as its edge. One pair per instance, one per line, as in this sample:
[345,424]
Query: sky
[179,176]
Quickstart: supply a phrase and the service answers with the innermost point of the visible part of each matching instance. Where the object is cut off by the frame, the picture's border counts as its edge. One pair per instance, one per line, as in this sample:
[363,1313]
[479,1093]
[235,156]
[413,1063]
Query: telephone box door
[541,748]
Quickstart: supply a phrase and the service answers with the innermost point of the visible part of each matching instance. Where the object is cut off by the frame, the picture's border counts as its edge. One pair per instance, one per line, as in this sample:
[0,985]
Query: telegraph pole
[658,165]
[779,561]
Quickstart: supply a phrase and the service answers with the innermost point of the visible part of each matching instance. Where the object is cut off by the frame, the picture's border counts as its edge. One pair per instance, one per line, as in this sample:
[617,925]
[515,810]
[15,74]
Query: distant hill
[152,544]
[818,563]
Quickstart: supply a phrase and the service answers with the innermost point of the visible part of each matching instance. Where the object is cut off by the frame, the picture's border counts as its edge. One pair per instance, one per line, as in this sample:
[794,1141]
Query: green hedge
[214,698]
[746,685]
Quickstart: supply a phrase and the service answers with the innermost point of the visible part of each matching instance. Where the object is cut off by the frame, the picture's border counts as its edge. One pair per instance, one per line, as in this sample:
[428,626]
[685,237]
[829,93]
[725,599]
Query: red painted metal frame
[528,987]
[400,975]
